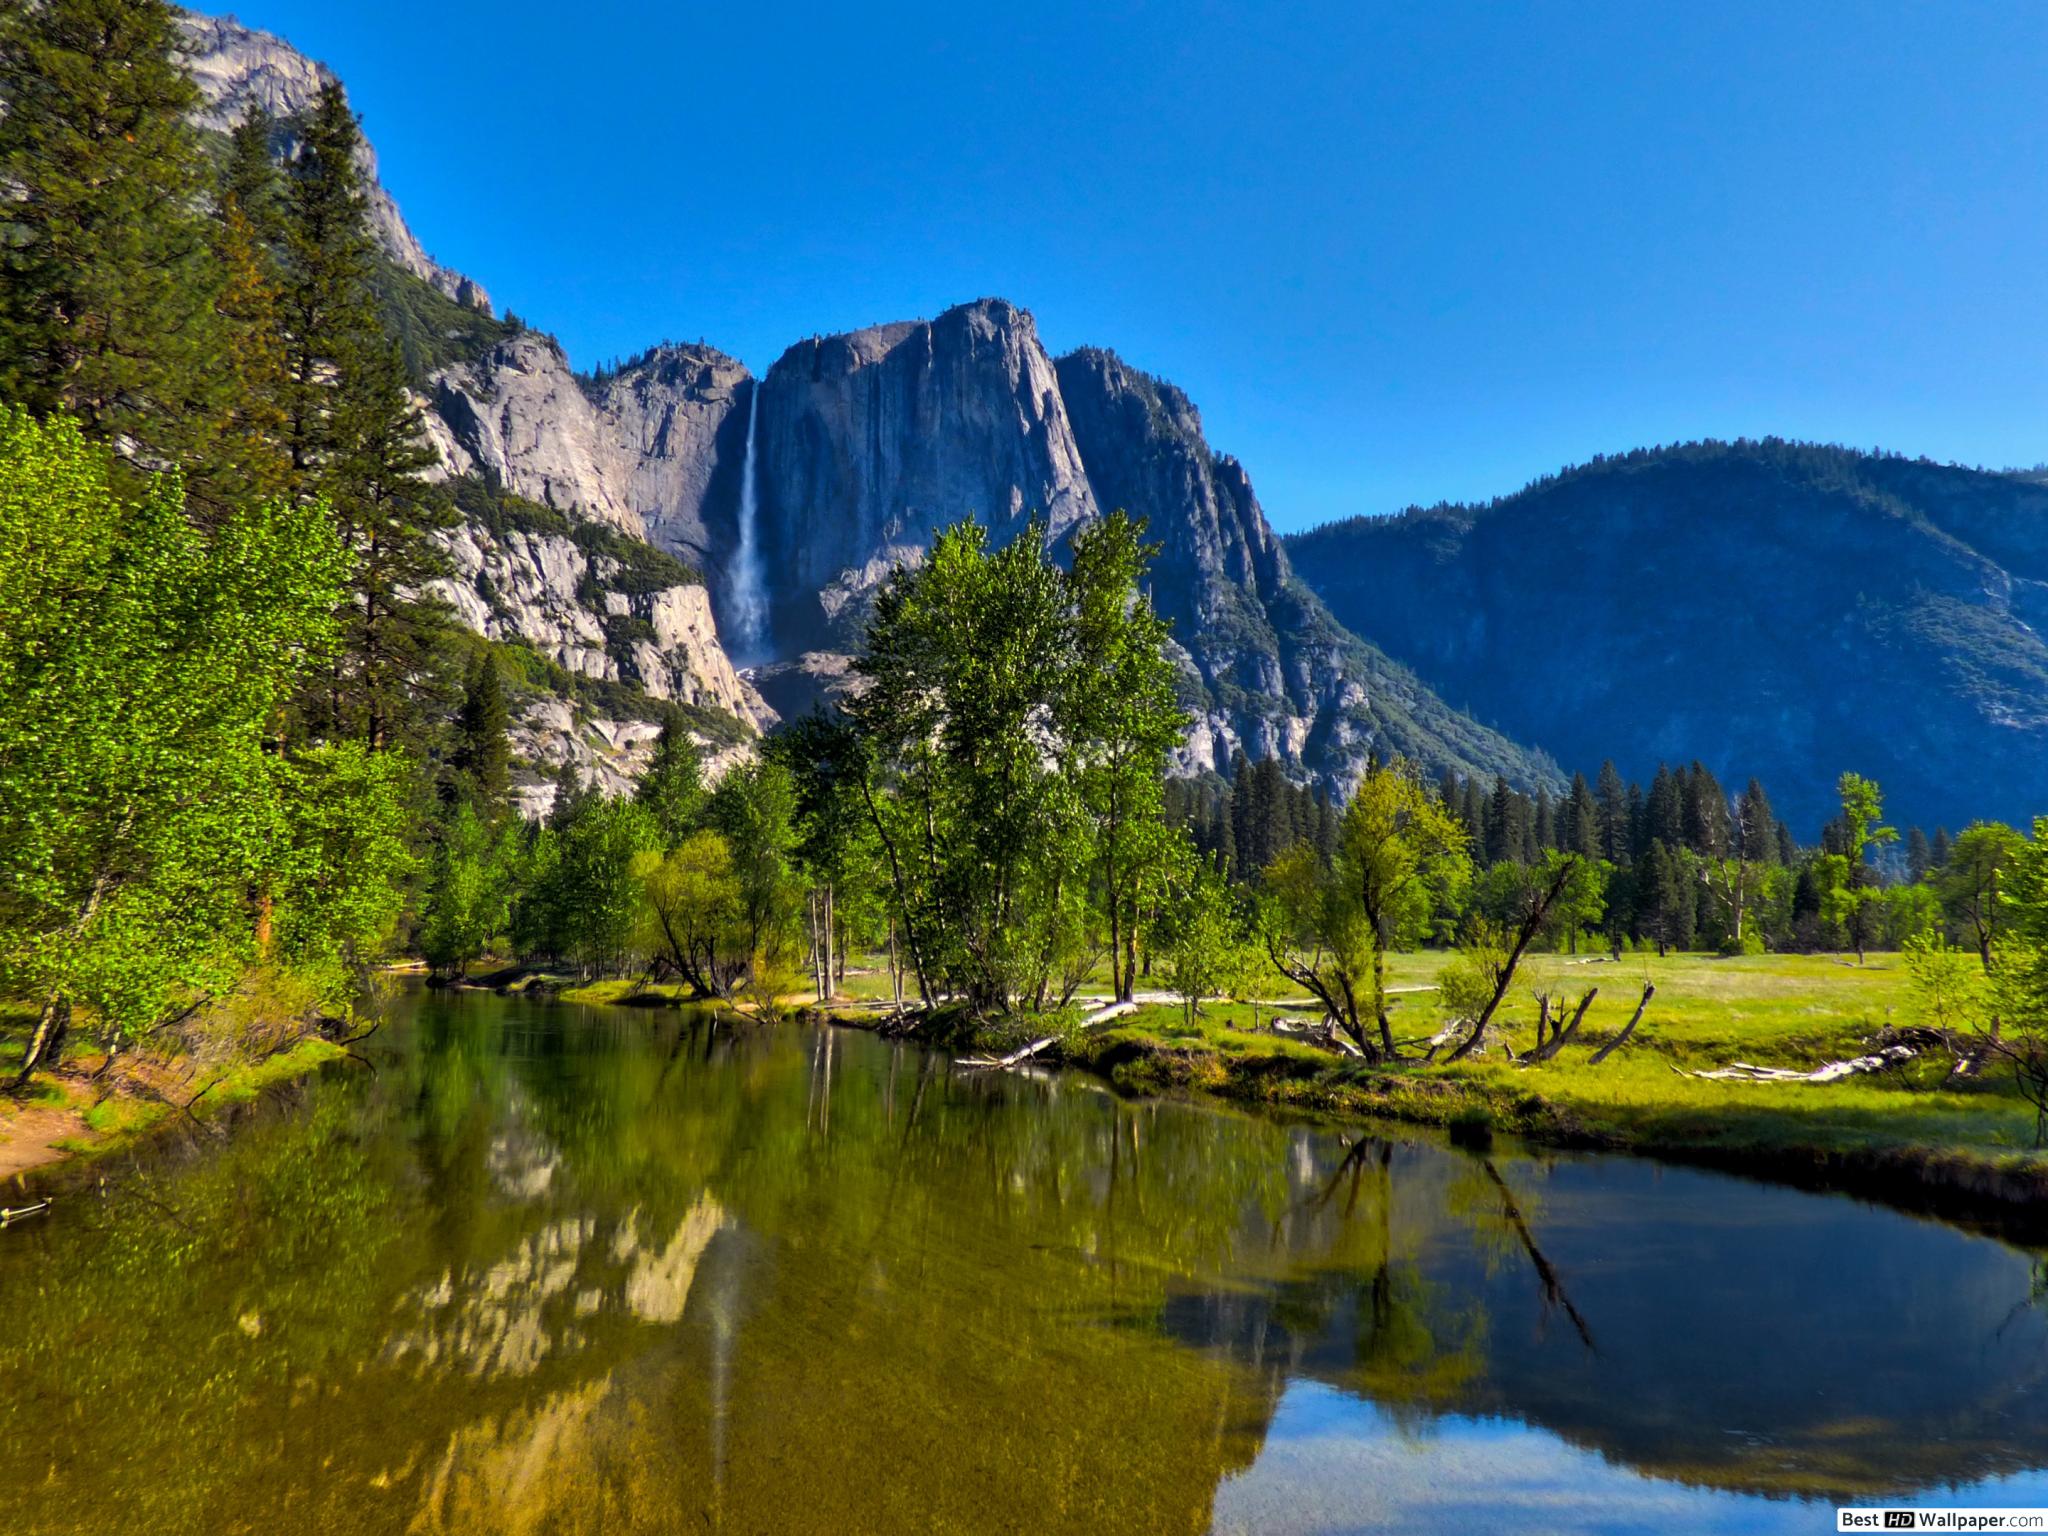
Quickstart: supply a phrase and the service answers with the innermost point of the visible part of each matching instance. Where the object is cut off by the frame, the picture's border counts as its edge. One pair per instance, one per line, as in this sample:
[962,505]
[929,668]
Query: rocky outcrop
[872,442]
[678,416]
[546,592]
[519,416]
[1274,674]
[236,67]
[868,444]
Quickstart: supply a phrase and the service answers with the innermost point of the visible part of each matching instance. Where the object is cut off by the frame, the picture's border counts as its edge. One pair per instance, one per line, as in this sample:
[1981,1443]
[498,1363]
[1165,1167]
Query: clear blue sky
[1396,253]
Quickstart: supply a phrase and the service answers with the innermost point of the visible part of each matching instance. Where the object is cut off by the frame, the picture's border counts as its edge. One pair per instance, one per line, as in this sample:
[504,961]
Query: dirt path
[29,1134]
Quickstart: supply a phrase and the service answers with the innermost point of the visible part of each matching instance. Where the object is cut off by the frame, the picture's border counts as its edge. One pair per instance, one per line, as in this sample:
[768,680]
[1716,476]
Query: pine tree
[1756,827]
[251,457]
[1273,830]
[355,439]
[1938,850]
[1667,809]
[1579,830]
[1919,855]
[672,789]
[1242,838]
[107,281]
[483,751]
[1503,826]
[1707,830]
[1544,827]
[1615,843]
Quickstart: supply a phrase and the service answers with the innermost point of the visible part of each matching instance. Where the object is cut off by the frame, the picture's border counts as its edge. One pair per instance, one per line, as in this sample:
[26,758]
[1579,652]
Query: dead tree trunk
[52,1025]
[1649,991]
[1564,1032]
[1538,910]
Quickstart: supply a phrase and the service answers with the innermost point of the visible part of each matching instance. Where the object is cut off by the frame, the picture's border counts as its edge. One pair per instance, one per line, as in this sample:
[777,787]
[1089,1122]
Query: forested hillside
[1767,608]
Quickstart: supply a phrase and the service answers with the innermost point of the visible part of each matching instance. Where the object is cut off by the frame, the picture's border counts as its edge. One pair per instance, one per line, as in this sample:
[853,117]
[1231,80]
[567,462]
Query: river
[541,1268]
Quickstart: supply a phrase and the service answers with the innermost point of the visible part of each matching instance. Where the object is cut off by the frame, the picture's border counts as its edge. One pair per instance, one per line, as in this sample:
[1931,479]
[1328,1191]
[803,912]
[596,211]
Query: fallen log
[1828,1072]
[1019,1057]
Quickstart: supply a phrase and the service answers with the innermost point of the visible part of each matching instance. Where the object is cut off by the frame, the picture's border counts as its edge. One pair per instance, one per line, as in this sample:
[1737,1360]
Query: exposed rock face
[679,416]
[236,67]
[868,445]
[872,442]
[1278,676]
[654,449]
[1768,609]
[543,590]
[520,416]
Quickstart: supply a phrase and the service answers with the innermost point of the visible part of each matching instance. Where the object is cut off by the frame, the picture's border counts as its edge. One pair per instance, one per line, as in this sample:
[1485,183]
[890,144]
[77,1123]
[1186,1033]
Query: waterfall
[749,594]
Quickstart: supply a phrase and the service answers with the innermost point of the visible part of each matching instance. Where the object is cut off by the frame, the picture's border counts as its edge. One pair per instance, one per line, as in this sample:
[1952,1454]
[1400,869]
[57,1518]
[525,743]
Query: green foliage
[107,281]
[694,913]
[754,808]
[482,759]
[142,667]
[1008,749]
[432,331]
[342,887]
[672,788]
[1211,949]
[469,898]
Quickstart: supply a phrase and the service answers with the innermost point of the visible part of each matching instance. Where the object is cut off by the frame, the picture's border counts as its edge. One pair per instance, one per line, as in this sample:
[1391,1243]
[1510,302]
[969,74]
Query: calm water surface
[561,1270]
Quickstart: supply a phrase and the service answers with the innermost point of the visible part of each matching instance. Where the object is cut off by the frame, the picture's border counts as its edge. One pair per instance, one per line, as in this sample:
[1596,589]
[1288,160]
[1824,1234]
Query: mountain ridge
[1773,608]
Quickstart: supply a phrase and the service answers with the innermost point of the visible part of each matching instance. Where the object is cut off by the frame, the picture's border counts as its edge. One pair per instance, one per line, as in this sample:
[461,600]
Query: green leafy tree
[694,915]
[754,808]
[599,850]
[341,888]
[1970,883]
[1852,898]
[143,663]
[1209,945]
[967,672]
[469,898]
[1123,718]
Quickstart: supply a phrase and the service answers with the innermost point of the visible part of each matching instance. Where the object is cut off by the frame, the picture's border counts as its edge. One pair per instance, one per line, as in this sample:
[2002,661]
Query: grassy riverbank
[1901,1133]
[81,1111]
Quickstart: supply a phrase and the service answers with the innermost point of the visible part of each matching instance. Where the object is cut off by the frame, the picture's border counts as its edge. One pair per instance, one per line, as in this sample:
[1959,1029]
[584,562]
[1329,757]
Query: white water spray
[749,592]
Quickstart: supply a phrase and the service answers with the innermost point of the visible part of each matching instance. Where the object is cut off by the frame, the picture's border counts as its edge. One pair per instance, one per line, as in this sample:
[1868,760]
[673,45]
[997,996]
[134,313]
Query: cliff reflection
[548,1271]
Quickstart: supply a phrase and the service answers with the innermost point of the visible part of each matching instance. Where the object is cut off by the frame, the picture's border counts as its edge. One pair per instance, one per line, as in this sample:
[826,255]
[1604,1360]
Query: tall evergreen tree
[251,453]
[1475,816]
[1707,830]
[1615,837]
[1667,809]
[1579,828]
[483,750]
[1503,824]
[1756,827]
[355,438]
[1242,838]
[106,275]
[1919,855]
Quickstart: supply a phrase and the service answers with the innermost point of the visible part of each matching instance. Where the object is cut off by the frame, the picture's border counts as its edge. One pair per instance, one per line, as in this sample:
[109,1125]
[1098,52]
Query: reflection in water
[553,1270]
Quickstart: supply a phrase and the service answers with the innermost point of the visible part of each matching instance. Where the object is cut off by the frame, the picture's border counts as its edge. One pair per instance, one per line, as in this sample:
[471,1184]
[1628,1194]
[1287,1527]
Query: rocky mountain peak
[238,67]
[874,440]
